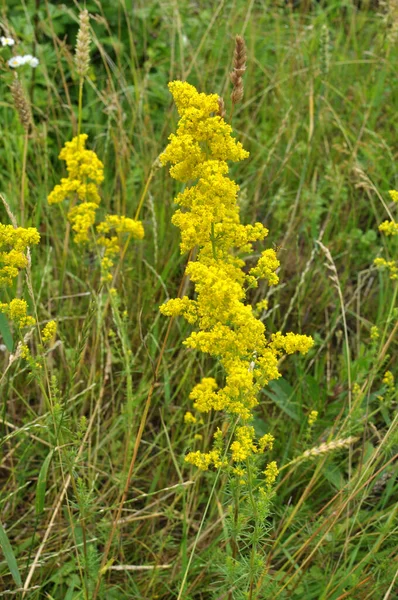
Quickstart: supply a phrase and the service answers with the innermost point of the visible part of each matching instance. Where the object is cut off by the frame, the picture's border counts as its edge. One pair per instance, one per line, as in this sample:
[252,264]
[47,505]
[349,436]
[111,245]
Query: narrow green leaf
[6,333]
[282,394]
[10,556]
[42,483]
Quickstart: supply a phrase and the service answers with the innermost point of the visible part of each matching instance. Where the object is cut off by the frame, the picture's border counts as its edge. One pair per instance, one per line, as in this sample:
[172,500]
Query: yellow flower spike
[389,228]
[209,219]
[374,333]
[394,195]
[14,242]
[189,418]
[85,174]
[243,446]
[388,380]
[266,442]
[24,351]
[312,417]
[16,310]
[49,331]
[271,473]
[266,267]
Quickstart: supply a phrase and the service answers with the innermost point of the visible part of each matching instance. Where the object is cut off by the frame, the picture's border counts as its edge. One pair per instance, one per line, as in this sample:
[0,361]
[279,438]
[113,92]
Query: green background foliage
[323,156]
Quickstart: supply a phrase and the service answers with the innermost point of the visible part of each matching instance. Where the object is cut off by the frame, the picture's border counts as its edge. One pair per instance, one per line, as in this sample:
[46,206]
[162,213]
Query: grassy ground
[323,157]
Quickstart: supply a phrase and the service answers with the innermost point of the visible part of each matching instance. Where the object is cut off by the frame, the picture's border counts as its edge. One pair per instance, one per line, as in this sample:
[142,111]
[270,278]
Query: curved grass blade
[10,556]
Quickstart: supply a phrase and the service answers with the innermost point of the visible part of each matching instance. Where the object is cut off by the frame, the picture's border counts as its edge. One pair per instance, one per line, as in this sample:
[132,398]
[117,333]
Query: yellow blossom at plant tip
[189,418]
[394,195]
[374,333]
[17,312]
[24,351]
[312,417]
[14,242]
[49,331]
[356,390]
[266,442]
[271,473]
[390,265]
[243,445]
[389,227]
[261,306]
[208,216]
[388,379]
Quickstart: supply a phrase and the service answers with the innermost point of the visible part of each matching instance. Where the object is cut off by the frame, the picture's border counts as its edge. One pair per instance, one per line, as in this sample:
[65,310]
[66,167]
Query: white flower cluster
[6,41]
[27,59]
[18,61]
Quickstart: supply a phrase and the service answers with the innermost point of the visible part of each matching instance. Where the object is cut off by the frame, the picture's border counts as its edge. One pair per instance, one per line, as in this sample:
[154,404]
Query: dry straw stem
[82,56]
[22,104]
[239,69]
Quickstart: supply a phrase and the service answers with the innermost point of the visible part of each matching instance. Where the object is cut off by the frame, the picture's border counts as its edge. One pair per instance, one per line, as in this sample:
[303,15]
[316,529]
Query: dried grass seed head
[22,104]
[82,56]
[236,75]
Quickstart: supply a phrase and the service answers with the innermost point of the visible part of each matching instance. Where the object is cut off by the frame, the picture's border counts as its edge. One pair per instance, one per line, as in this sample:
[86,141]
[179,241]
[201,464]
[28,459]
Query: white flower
[6,41]
[15,61]
[27,59]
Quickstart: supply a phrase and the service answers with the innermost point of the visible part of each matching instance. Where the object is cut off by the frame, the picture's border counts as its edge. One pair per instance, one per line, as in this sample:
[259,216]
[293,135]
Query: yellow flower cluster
[111,243]
[388,380]
[17,312]
[49,331]
[389,228]
[189,418]
[209,219]
[14,242]
[271,473]
[85,174]
[374,333]
[312,417]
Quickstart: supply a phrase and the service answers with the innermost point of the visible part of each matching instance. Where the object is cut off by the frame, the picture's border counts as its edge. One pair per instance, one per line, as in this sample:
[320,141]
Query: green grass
[323,156]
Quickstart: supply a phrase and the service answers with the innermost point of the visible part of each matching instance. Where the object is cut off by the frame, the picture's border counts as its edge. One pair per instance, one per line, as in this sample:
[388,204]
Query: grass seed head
[82,56]
[238,70]
[22,104]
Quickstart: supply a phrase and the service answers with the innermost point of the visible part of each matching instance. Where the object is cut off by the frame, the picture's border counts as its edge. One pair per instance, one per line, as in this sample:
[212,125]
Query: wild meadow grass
[101,495]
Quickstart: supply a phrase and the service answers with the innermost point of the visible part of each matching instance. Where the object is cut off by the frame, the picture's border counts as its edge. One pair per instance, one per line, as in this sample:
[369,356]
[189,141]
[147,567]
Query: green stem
[80,107]
[255,537]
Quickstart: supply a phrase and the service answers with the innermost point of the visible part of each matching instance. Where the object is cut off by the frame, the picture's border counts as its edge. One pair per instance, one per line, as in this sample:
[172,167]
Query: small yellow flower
[388,380]
[389,228]
[271,473]
[17,310]
[24,351]
[356,390]
[374,333]
[266,442]
[394,195]
[261,306]
[312,417]
[49,331]
[189,418]
[243,446]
